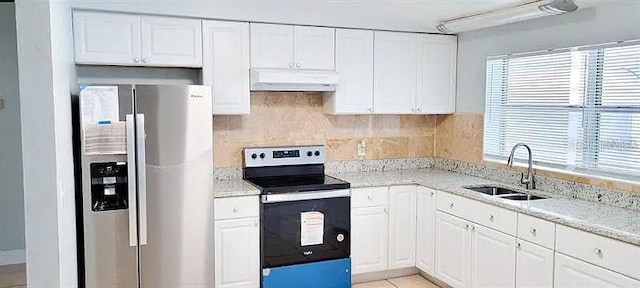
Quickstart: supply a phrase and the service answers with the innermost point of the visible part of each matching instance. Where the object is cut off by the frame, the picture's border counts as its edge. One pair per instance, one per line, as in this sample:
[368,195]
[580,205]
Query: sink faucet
[529,182]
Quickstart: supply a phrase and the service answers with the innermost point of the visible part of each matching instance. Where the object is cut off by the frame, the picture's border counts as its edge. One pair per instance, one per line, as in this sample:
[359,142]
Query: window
[578,109]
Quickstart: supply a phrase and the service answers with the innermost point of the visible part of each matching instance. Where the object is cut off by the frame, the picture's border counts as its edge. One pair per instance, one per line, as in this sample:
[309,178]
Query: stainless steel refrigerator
[147,200]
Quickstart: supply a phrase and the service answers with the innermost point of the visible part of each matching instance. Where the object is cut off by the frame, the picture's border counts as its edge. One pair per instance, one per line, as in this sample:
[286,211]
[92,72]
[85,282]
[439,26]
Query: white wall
[600,24]
[11,195]
[46,73]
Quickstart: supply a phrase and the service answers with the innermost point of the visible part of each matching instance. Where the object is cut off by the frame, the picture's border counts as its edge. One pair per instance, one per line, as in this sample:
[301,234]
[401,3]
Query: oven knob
[317,153]
[254,156]
[262,155]
[340,237]
[309,153]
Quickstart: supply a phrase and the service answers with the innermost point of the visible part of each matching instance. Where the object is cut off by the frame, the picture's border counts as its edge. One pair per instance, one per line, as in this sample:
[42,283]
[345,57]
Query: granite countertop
[232,188]
[609,221]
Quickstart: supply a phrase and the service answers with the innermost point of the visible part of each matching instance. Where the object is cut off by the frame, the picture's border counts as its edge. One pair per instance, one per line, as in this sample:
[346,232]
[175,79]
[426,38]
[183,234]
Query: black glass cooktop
[298,183]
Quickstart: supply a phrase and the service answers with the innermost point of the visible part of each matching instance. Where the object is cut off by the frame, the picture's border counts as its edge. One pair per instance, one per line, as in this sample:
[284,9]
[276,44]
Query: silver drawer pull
[597,251]
[519,245]
[235,208]
[369,197]
[533,231]
[451,205]
[466,226]
[491,217]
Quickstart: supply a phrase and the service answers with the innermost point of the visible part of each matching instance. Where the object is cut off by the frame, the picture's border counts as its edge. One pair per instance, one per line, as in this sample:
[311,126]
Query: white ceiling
[403,15]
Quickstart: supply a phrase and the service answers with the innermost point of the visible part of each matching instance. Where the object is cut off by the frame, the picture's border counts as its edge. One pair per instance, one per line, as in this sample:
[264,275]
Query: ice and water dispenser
[109,188]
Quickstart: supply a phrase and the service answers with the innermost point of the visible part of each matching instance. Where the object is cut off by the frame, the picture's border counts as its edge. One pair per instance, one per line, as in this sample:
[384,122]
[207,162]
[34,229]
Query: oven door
[305,227]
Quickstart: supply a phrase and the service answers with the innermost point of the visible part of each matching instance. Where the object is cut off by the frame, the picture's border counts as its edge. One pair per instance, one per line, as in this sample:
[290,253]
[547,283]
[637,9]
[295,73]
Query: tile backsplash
[292,118]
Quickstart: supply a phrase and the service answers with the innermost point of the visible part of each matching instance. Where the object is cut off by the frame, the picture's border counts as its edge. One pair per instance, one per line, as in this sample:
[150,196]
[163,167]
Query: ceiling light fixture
[508,15]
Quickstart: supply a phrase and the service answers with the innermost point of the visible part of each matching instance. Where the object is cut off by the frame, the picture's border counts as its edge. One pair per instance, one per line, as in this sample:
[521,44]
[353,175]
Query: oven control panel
[282,156]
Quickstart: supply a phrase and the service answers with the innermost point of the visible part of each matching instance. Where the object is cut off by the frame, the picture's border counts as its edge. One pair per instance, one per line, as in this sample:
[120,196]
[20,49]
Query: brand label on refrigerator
[311,228]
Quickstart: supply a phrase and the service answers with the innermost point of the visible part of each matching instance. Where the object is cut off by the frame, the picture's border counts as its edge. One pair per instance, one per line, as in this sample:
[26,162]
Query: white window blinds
[578,109]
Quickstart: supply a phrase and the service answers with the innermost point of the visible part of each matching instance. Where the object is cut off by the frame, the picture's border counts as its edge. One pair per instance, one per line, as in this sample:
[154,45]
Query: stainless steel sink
[492,190]
[504,193]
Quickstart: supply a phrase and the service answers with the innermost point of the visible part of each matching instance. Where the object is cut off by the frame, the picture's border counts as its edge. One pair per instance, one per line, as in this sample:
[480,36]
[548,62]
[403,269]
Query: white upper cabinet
[271,46]
[425,247]
[354,63]
[292,47]
[106,38]
[133,40]
[395,72]
[226,65]
[402,226]
[436,74]
[314,48]
[168,41]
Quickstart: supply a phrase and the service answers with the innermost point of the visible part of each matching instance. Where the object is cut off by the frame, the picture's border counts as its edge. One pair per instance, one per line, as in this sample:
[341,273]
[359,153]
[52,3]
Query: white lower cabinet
[534,265]
[369,239]
[425,231]
[570,272]
[402,226]
[237,253]
[493,258]
[452,250]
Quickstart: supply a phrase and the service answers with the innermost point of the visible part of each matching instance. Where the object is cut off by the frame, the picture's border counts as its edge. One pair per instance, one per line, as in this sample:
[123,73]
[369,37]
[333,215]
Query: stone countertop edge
[613,222]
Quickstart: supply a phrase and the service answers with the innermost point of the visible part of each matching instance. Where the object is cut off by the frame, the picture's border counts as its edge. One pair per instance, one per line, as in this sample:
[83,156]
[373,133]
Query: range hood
[293,80]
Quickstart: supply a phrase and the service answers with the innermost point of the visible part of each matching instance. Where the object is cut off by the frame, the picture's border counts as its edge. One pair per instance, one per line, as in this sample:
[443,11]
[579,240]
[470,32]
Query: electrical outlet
[362,148]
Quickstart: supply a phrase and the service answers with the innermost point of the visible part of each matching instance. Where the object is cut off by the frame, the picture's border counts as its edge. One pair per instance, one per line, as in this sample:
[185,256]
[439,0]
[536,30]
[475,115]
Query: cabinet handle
[386,210]
[473,228]
[290,65]
[235,209]
[255,223]
[597,251]
[466,226]
[370,109]
[419,109]
[413,109]
[144,60]
[431,193]
[136,60]
[369,197]
[533,231]
[490,217]
[297,65]
[451,205]
[518,245]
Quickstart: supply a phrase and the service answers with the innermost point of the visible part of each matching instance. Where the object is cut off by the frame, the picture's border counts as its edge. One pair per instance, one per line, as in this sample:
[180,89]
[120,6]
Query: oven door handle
[299,196]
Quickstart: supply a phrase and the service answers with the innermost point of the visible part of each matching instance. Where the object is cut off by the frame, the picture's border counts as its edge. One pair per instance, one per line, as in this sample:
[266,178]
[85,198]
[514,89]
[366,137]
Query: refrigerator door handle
[142,177]
[131,171]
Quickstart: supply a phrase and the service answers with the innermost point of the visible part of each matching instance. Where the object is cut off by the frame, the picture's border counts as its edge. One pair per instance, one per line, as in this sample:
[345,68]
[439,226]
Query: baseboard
[10,257]
[375,276]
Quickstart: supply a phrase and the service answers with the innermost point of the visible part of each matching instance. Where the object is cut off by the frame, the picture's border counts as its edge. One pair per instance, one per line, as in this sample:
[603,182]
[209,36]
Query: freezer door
[176,198]
[110,259]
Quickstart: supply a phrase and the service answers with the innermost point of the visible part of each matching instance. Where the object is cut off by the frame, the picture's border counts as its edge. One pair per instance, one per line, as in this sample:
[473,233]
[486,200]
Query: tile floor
[415,281]
[13,276]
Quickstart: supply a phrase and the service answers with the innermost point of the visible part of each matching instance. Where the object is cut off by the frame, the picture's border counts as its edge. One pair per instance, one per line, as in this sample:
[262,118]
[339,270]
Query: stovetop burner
[289,169]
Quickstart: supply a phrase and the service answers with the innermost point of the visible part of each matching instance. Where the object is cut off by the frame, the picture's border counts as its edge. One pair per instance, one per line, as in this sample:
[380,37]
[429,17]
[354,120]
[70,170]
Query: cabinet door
[493,258]
[571,272]
[354,62]
[314,48]
[395,82]
[425,246]
[226,65]
[452,250]
[534,265]
[237,253]
[168,41]
[402,226]
[106,38]
[271,46]
[369,236]
[436,74]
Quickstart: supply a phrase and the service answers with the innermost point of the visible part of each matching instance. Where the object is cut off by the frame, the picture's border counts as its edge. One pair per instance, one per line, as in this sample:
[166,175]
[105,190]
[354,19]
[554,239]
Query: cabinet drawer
[369,197]
[536,230]
[236,207]
[484,214]
[605,252]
